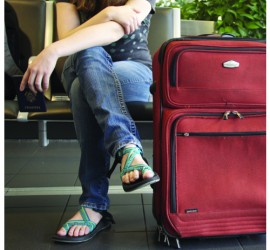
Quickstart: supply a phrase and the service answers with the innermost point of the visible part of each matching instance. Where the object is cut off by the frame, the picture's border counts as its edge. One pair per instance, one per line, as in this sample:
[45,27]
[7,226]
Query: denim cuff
[94,206]
[123,144]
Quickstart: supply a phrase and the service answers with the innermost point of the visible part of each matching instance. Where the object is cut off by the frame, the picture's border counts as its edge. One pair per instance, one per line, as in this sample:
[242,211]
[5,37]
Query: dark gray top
[133,46]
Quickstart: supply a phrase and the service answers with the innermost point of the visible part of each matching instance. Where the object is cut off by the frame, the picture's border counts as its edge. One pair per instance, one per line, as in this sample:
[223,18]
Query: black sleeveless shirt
[133,46]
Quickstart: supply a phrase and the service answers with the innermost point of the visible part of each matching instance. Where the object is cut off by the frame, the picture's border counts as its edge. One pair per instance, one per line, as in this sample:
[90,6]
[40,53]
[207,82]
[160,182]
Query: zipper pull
[160,232]
[238,114]
[166,240]
[178,243]
[226,115]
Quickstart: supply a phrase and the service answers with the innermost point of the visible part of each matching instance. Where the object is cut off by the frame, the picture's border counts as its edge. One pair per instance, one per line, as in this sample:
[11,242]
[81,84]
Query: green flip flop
[94,228]
[132,152]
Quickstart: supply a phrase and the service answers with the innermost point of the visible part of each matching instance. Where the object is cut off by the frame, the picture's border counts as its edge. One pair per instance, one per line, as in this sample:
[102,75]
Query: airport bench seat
[165,25]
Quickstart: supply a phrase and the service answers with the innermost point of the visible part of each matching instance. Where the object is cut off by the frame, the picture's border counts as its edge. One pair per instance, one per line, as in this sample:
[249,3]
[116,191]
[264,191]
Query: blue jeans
[98,89]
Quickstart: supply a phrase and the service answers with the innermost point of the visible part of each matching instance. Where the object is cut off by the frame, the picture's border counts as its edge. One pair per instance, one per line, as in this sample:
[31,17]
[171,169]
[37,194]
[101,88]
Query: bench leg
[42,134]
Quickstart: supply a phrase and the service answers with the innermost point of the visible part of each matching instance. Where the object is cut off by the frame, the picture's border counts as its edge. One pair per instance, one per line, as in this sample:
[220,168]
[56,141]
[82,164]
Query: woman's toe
[62,232]
[148,174]
[82,231]
[86,230]
[71,231]
[77,231]
[134,175]
[125,179]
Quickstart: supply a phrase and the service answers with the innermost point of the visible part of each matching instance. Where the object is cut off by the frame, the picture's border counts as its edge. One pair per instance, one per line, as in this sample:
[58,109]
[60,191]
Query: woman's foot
[78,230]
[83,226]
[132,176]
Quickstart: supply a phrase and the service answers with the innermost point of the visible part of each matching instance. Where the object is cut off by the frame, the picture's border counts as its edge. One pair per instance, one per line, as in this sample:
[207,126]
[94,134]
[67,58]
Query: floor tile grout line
[67,190]
[145,222]
[62,216]
[240,244]
[32,154]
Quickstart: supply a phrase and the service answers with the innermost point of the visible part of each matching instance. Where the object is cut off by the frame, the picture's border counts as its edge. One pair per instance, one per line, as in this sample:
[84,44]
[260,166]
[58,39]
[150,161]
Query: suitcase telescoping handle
[236,113]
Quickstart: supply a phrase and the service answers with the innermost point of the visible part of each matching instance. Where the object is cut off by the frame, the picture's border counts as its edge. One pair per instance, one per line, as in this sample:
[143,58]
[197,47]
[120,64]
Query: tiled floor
[34,212]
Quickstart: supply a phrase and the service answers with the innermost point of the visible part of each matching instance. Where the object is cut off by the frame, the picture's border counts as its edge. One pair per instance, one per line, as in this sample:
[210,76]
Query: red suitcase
[210,137]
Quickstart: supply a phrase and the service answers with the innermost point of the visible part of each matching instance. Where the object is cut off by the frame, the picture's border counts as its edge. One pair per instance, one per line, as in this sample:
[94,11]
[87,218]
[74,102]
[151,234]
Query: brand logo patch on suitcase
[231,64]
[191,210]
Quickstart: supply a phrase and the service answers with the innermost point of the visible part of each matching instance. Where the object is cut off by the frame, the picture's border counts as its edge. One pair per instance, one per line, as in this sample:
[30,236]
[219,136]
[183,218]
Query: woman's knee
[92,53]
[75,93]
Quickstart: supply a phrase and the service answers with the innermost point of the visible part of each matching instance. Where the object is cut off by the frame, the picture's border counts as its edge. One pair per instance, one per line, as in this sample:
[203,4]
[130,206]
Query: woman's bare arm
[106,27]
[128,15]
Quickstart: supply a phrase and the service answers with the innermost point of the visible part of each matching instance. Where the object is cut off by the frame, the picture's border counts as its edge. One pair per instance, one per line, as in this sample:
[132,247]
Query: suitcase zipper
[198,38]
[172,74]
[187,134]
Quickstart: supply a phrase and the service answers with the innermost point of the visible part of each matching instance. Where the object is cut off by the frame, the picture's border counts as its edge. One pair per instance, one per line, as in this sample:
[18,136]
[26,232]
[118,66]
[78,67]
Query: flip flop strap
[84,222]
[139,167]
[132,152]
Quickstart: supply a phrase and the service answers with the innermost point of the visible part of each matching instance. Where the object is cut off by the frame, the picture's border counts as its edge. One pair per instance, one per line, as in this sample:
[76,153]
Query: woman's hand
[126,16]
[39,71]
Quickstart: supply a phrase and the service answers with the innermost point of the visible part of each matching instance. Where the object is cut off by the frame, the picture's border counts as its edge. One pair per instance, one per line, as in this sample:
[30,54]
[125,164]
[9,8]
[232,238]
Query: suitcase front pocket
[218,165]
[216,77]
